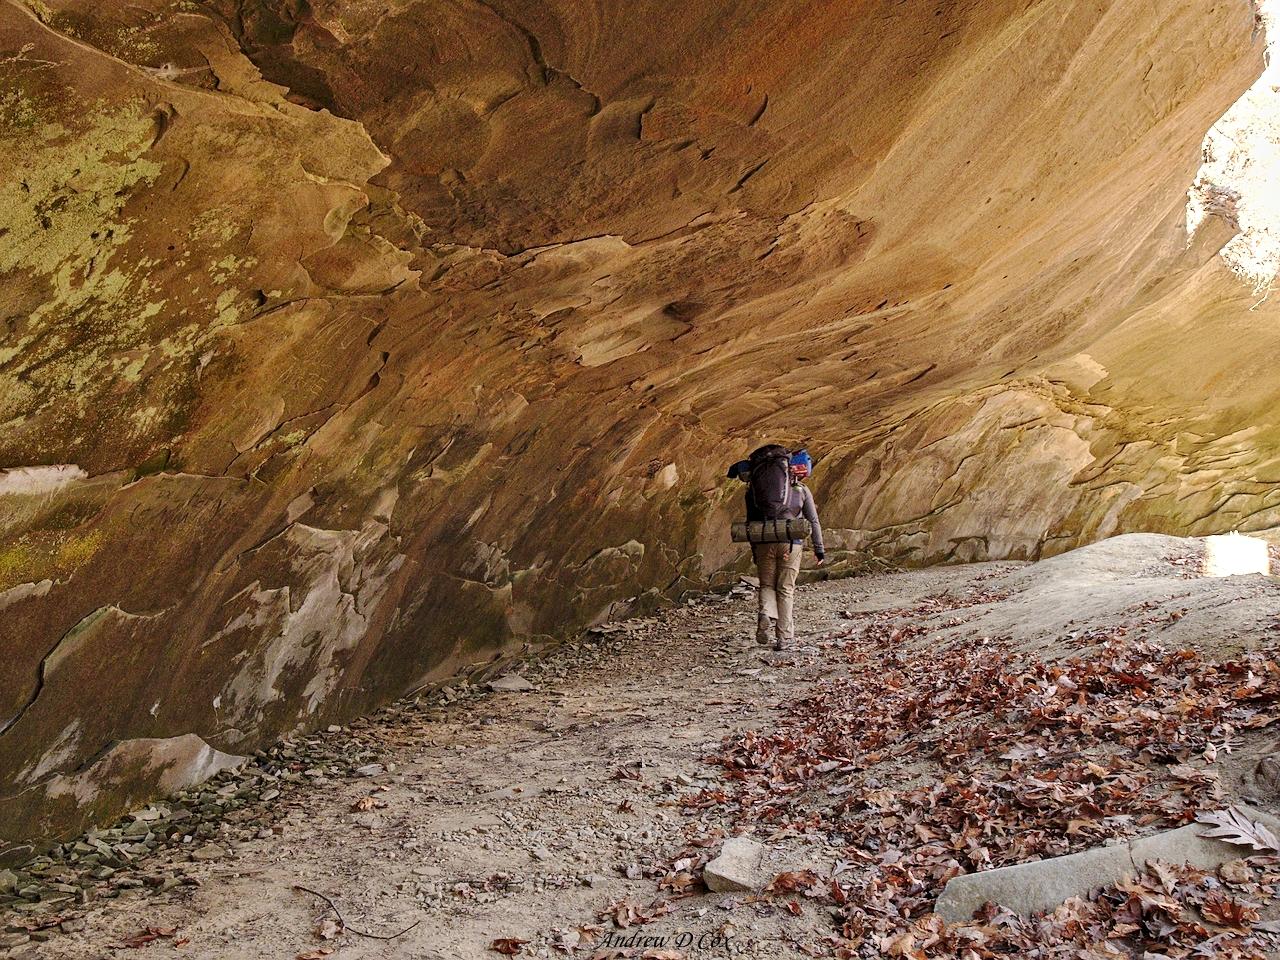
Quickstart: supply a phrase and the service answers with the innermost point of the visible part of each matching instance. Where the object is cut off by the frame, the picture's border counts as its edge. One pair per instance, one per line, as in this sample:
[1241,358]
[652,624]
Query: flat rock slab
[1032,887]
[738,867]
[511,683]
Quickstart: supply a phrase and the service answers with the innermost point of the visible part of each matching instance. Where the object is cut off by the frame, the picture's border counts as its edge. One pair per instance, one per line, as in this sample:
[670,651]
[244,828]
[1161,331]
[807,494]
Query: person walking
[776,491]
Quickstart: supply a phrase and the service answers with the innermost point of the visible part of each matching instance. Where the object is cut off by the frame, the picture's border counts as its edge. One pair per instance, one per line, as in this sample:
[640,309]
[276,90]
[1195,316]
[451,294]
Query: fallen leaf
[1233,826]
[1235,871]
[148,936]
[328,929]
[791,881]
[1228,912]
[508,946]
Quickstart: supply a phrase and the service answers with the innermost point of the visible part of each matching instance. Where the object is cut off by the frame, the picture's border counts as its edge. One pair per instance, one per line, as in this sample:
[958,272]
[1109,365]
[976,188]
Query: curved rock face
[348,342]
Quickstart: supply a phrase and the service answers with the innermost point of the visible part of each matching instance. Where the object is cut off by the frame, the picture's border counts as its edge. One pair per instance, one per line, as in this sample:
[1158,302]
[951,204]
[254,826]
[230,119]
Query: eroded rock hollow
[345,342]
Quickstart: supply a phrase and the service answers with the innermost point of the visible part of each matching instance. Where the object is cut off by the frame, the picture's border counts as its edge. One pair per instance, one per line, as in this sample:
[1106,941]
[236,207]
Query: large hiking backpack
[771,484]
[768,477]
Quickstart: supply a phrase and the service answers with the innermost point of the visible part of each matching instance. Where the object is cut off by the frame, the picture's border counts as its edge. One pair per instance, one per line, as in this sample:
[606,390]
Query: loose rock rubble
[160,847]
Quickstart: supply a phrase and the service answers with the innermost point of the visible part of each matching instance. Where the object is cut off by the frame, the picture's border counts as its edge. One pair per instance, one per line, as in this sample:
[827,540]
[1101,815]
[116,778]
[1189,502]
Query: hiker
[776,492]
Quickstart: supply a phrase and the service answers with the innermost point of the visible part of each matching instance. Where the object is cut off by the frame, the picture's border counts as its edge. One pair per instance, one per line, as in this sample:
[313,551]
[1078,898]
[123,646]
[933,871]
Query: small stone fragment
[511,683]
[210,851]
[738,867]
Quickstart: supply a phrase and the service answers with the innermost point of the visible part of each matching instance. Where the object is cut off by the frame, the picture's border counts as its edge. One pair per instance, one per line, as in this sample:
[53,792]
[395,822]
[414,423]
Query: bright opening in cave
[1240,178]
[1234,554]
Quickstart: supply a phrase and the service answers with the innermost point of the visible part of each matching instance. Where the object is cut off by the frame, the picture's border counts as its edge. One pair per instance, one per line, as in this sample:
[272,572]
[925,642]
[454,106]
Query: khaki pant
[778,565]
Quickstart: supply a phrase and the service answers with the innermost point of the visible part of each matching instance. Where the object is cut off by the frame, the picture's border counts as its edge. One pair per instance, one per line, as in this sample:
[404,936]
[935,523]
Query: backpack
[770,483]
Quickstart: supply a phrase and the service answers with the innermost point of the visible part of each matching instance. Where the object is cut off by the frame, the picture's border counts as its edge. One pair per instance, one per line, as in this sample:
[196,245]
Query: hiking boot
[765,628]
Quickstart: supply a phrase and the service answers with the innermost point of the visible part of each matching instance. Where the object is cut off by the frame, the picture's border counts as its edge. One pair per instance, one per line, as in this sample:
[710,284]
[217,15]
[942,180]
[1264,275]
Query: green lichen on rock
[63,245]
[47,555]
[62,214]
[18,113]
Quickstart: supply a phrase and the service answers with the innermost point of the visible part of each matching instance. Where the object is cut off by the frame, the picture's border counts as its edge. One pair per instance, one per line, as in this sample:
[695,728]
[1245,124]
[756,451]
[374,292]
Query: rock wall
[345,343]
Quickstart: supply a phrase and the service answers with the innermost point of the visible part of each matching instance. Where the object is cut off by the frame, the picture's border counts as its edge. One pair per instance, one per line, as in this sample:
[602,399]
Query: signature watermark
[683,940]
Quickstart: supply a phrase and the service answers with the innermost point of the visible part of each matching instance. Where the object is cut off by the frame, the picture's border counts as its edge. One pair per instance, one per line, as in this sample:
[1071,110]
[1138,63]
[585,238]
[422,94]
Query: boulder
[738,867]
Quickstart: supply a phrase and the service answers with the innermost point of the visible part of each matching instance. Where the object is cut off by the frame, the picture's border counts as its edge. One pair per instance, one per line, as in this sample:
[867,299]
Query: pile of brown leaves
[927,763]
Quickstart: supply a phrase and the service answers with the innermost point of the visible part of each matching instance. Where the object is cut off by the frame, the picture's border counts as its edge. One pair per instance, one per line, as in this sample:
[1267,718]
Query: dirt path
[560,815]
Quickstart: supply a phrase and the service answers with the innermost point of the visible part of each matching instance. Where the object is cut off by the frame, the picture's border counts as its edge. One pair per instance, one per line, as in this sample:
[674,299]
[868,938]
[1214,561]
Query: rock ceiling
[346,343]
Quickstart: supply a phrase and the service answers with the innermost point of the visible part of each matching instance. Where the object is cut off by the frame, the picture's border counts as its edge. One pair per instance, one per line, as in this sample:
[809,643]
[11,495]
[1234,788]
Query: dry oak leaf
[678,882]
[1233,826]
[792,880]
[903,945]
[1236,871]
[1228,912]
[149,935]
[507,946]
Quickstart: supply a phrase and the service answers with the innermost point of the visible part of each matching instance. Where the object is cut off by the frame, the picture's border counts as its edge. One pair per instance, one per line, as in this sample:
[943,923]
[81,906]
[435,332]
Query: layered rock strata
[344,343]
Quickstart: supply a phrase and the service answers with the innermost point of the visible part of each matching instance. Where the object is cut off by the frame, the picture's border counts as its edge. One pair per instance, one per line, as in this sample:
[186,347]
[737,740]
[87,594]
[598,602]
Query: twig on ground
[342,923]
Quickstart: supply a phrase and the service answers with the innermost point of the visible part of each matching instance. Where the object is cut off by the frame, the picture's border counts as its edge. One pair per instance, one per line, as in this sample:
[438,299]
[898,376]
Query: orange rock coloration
[345,343]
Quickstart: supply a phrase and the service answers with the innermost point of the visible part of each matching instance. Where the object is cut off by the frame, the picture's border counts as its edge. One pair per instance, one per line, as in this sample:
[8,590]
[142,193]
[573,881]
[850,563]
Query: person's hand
[821,561]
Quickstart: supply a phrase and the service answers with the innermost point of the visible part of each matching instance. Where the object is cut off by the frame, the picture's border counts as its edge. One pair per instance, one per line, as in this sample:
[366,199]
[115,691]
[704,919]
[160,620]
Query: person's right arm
[811,514]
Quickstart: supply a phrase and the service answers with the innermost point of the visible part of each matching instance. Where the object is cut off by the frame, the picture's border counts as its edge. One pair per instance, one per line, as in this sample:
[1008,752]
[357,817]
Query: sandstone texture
[343,344]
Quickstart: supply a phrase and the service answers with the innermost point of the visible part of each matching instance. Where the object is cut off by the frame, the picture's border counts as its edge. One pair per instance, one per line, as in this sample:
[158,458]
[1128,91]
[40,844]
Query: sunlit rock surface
[346,343]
